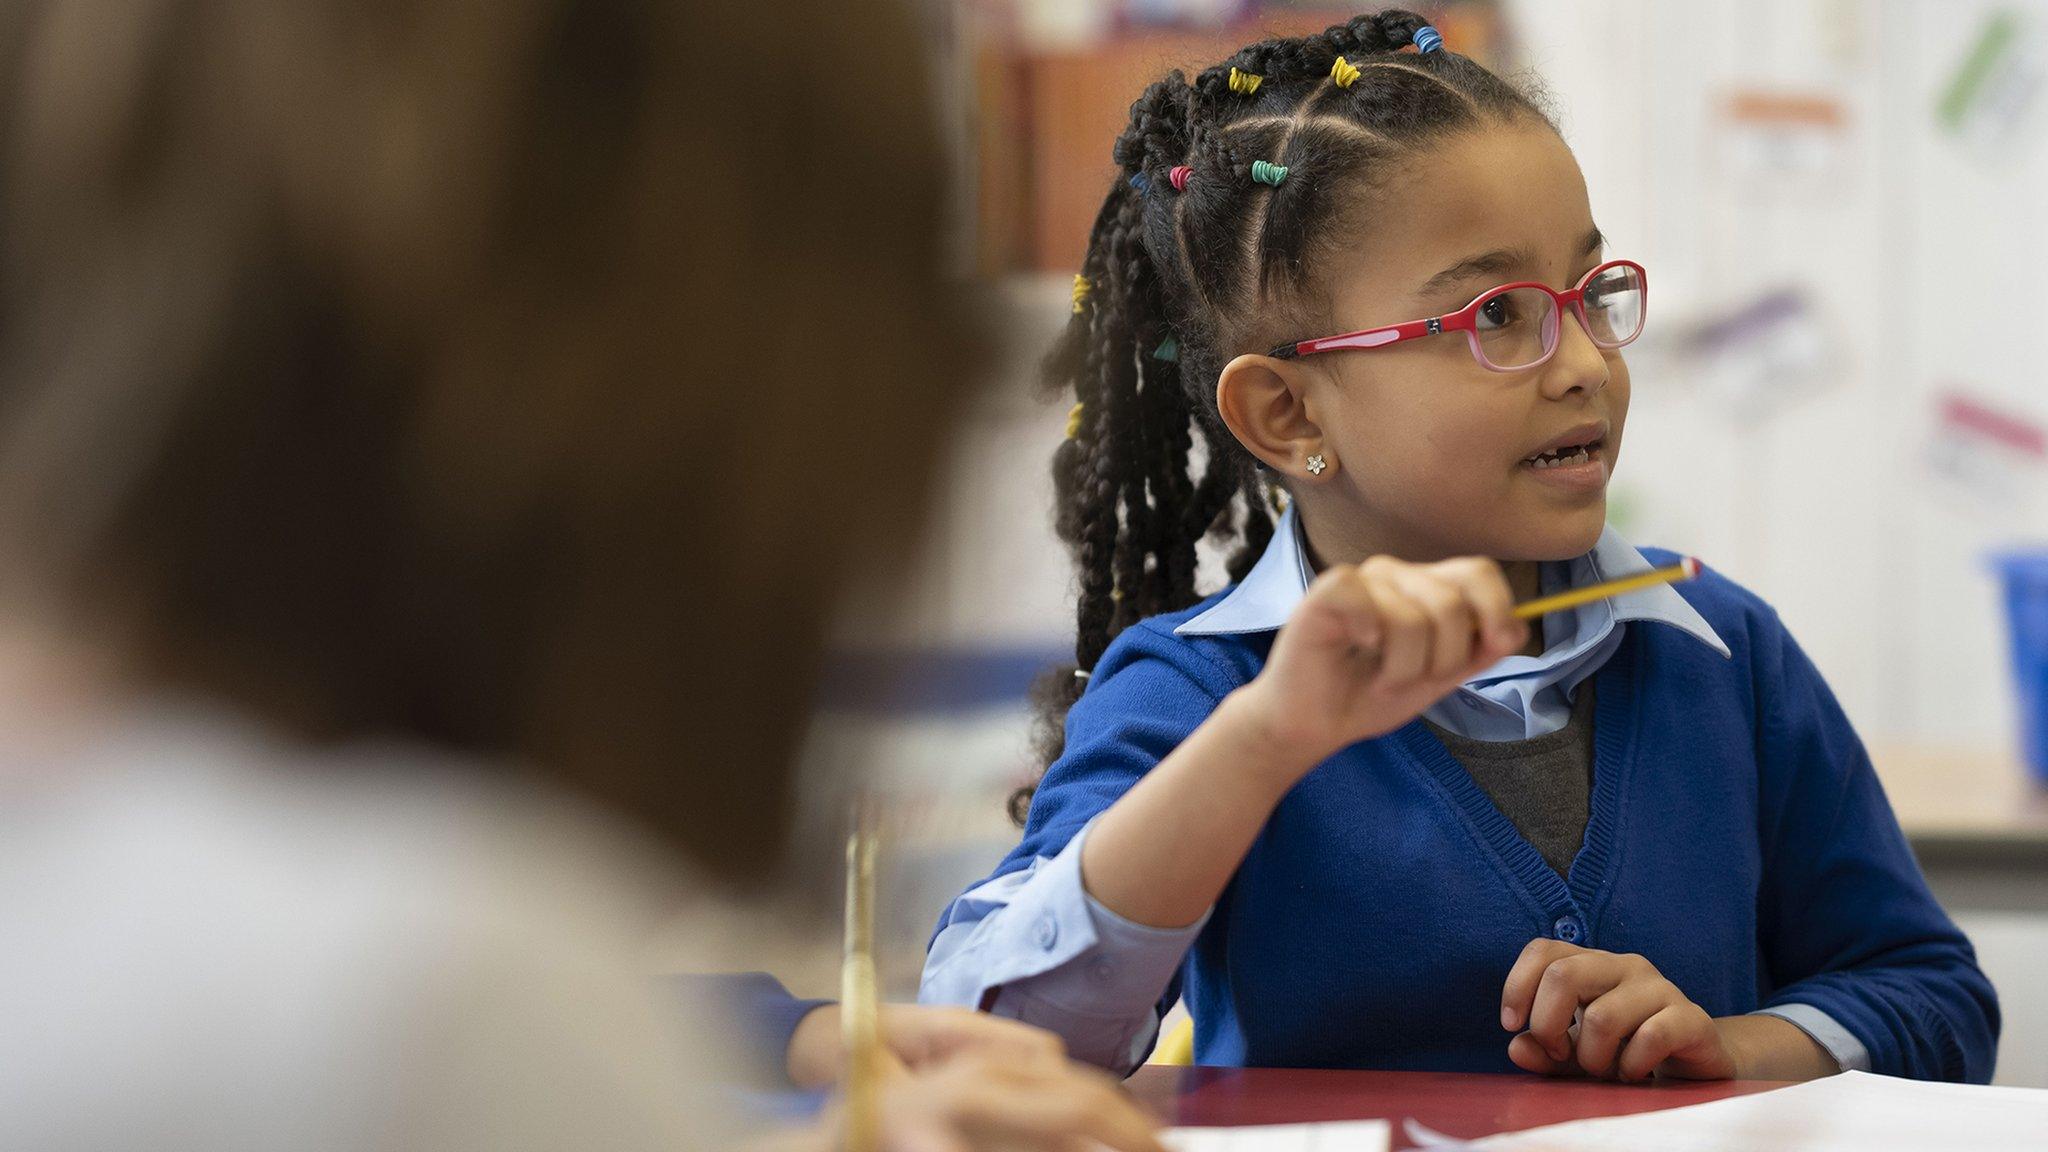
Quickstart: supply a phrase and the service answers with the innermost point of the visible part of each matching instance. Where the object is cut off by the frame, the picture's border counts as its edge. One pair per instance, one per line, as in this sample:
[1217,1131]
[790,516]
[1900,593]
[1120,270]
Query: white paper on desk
[1343,1136]
[1852,1112]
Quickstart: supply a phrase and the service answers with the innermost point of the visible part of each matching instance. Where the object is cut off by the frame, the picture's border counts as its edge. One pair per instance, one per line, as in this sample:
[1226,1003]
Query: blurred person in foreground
[431,442]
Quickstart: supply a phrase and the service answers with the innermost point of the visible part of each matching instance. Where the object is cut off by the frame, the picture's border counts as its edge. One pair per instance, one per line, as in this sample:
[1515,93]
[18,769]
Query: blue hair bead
[1427,39]
[1169,349]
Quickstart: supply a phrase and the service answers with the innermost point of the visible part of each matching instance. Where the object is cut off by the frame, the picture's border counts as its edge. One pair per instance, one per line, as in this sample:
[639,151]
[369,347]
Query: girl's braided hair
[1209,262]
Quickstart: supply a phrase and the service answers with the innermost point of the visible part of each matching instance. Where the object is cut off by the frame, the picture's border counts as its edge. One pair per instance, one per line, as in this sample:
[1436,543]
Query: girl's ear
[1264,403]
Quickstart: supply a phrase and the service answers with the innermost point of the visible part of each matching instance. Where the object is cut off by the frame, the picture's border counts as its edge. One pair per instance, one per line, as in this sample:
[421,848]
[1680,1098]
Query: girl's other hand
[1584,1012]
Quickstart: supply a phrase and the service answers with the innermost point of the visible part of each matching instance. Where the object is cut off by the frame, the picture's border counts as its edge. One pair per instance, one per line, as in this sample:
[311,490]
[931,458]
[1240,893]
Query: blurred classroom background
[1839,400]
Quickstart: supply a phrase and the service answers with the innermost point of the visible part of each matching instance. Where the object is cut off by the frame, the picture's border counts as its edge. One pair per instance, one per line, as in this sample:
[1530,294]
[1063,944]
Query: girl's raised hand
[1370,646]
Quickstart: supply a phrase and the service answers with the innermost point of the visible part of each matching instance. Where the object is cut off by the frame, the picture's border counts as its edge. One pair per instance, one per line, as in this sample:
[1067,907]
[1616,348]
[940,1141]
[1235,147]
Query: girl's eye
[1498,312]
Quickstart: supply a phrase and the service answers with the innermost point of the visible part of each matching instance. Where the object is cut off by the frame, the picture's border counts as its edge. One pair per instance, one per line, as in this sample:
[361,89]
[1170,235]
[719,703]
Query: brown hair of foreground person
[523,384]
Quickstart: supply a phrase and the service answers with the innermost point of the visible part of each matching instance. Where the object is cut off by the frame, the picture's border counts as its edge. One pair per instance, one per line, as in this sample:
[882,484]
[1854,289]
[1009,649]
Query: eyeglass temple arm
[1393,334]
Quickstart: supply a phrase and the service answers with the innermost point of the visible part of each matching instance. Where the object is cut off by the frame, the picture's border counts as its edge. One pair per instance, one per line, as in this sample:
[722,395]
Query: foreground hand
[918,1036]
[1582,1012]
[983,1101]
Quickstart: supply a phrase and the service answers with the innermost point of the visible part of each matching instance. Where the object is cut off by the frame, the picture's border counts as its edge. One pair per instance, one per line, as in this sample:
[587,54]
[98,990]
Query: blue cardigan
[1738,838]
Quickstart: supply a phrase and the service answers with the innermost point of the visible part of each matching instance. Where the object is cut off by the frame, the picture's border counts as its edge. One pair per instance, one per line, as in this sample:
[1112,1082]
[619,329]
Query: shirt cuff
[1138,961]
[1130,962]
[1051,955]
[1849,1053]
[1045,927]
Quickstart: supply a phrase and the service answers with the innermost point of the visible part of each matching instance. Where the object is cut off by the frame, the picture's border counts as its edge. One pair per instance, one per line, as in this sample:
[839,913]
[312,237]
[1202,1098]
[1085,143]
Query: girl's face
[1435,451]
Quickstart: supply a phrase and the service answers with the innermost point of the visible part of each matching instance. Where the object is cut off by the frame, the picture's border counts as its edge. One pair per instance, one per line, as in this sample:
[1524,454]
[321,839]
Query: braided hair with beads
[1192,253]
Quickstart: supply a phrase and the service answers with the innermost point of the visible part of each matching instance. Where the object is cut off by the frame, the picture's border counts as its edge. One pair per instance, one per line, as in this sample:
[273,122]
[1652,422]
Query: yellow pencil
[860,1009]
[1685,569]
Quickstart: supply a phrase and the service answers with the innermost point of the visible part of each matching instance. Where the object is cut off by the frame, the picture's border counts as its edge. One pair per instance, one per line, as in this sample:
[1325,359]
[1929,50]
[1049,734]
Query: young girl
[1350,808]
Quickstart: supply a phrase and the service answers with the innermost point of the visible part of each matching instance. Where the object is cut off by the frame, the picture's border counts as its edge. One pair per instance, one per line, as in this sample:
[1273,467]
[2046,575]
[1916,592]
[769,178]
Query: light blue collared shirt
[1520,697]
[1034,946]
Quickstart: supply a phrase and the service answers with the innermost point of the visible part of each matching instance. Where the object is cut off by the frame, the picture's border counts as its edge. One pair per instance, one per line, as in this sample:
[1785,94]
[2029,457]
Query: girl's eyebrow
[1496,262]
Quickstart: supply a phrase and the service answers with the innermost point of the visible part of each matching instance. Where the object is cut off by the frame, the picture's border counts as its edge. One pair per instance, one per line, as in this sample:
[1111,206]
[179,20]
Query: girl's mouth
[1567,456]
[1578,469]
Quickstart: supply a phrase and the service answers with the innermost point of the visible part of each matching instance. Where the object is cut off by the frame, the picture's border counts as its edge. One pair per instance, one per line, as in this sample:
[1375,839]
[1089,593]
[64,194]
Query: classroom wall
[1812,476]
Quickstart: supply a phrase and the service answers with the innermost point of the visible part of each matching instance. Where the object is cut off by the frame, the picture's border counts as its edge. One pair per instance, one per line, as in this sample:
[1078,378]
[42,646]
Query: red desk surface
[1456,1104]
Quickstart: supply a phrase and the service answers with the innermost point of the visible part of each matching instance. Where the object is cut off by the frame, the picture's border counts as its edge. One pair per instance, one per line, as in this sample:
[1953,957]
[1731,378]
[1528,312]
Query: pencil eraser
[1691,564]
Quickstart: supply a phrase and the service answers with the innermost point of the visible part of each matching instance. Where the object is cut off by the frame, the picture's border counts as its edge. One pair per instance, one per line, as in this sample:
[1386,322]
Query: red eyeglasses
[1515,326]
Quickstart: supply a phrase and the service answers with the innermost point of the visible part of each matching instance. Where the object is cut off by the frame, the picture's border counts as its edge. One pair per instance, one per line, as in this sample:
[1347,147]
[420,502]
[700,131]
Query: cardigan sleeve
[1845,918]
[1029,942]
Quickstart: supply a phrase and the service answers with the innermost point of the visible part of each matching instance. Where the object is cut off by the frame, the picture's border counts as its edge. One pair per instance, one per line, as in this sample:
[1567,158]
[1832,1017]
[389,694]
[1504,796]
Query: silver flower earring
[1316,464]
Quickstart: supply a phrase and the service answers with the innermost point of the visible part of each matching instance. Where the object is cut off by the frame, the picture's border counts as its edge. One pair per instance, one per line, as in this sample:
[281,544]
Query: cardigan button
[1046,932]
[1569,929]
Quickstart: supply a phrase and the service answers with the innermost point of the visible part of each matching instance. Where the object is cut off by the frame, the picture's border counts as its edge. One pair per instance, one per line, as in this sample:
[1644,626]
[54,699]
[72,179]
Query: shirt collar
[1265,598]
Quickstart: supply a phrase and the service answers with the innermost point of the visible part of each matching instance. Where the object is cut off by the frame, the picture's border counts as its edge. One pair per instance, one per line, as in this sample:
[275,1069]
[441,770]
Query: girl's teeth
[1578,456]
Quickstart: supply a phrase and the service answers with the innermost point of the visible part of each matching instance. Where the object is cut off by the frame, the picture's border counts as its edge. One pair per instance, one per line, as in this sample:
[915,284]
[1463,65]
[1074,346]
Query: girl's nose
[1578,365]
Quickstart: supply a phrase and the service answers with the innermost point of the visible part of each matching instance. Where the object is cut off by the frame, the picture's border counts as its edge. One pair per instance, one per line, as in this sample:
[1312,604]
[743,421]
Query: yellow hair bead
[1081,288]
[1343,72]
[1245,83]
[1074,421]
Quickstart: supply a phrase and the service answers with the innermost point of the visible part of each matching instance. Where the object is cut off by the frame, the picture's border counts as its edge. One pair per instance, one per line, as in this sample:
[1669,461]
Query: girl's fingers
[1493,604]
[1603,1014]
[1345,602]
[1404,654]
[1666,1031]
[1566,985]
[1452,619]
[1425,623]
[1607,1023]
[1528,1055]
[1519,990]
